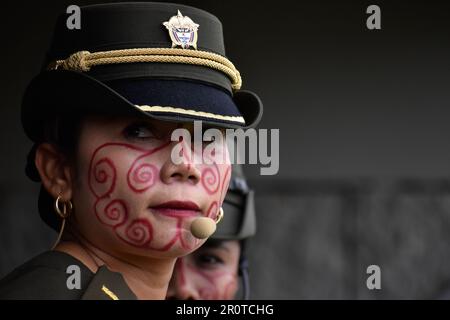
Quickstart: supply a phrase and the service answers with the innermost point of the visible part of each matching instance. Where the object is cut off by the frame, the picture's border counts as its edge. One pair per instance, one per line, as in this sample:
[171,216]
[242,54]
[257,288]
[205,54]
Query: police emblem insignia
[182,31]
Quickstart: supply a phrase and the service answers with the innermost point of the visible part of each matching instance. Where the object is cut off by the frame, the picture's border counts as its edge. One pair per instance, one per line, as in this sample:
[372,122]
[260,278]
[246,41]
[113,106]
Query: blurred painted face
[209,273]
[130,198]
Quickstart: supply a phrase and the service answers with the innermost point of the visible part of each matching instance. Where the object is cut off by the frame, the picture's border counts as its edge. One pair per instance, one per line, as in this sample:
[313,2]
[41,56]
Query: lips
[177,209]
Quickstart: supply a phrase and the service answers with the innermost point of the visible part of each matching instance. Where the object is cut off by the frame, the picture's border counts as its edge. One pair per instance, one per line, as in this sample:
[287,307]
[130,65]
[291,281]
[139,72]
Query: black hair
[62,131]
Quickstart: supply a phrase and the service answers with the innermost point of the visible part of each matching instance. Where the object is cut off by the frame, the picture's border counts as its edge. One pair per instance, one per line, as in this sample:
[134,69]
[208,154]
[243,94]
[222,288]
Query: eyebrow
[216,244]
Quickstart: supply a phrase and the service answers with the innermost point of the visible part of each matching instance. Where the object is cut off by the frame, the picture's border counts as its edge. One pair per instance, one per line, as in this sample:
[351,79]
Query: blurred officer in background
[212,272]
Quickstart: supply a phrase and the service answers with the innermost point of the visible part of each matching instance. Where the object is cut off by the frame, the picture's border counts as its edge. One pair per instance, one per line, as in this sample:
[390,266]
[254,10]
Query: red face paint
[125,181]
[196,279]
[210,180]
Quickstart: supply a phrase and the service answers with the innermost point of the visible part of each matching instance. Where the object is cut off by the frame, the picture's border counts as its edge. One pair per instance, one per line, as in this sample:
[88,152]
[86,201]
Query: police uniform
[47,277]
[160,60]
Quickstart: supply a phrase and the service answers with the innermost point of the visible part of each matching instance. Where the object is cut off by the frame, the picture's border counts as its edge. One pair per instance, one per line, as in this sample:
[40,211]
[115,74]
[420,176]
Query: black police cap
[163,60]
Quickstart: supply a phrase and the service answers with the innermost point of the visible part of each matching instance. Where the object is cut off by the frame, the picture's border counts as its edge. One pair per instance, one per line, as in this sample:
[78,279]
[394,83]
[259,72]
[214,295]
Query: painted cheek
[214,285]
[224,286]
[185,283]
[213,174]
[226,182]
[210,179]
[138,173]
[215,181]
[229,288]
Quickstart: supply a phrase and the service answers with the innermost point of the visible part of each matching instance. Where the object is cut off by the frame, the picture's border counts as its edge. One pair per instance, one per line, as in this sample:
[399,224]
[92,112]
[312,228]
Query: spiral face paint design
[210,179]
[120,175]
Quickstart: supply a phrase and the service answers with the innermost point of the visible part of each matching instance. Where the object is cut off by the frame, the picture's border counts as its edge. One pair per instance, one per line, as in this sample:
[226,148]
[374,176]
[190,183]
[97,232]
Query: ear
[54,170]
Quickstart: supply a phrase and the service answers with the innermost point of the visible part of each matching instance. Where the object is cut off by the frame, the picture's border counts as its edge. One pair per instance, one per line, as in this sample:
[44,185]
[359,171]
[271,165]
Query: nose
[184,171]
[182,285]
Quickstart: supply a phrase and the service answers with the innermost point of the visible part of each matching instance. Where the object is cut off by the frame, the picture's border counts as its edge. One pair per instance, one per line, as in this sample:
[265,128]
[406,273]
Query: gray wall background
[364,160]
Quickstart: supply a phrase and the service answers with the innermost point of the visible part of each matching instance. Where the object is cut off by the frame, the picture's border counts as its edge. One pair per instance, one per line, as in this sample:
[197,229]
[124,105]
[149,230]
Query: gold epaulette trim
[109,293]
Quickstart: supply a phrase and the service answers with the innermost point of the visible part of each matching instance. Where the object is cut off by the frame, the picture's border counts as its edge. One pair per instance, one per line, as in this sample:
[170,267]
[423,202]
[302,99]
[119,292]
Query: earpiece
[204,227]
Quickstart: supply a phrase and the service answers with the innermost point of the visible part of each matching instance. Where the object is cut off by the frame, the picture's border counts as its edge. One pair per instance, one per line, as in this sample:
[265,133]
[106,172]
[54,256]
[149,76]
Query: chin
[160,240]
[173,253]
[160,250]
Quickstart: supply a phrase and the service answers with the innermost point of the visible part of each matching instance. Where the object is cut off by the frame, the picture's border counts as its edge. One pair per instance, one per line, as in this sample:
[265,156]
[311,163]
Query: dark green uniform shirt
[47,277]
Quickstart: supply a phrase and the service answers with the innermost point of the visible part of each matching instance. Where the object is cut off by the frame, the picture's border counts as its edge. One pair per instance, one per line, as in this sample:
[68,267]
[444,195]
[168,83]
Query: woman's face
[130,198]
[209,273]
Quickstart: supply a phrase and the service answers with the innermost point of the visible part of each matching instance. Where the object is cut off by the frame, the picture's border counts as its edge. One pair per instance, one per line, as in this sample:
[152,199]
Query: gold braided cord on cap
[84,60]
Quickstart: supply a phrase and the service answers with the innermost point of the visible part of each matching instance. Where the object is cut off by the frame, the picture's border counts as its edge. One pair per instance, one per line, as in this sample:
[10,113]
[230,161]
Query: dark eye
[212,140]
[208,260]
[140,131]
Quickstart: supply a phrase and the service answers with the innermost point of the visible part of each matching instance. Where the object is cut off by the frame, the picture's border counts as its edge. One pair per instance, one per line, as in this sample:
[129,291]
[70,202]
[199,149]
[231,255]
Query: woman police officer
[101,114]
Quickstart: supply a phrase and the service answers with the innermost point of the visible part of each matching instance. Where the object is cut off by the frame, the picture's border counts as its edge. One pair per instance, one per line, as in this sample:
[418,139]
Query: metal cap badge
[182,31]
